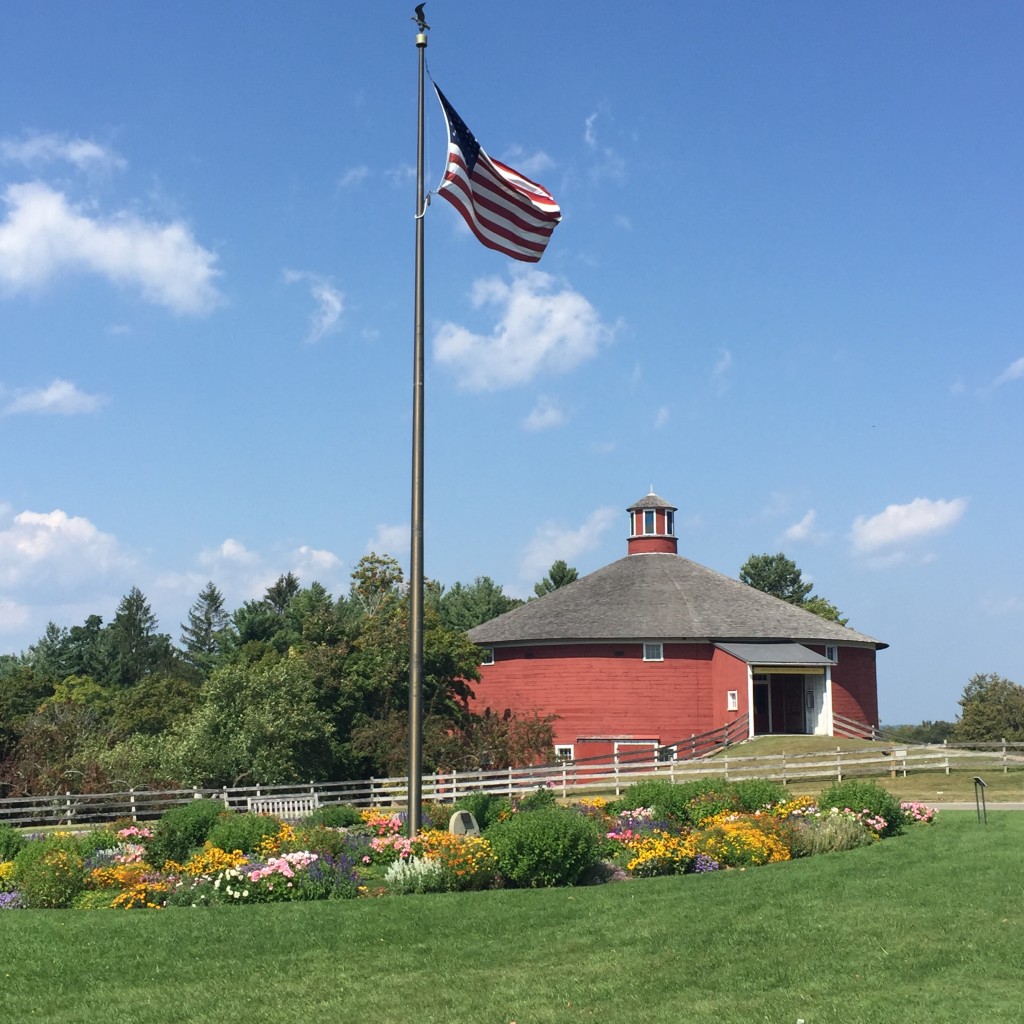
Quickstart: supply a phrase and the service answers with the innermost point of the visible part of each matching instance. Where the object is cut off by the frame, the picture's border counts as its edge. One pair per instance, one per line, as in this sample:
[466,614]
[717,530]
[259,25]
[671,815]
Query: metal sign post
[979,799]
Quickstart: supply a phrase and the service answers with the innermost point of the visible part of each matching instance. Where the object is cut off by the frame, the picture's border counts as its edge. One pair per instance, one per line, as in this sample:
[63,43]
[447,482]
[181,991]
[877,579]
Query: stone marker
[462,823]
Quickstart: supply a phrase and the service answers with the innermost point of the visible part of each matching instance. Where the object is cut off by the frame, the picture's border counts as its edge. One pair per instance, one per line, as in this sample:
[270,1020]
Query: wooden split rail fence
[566,779]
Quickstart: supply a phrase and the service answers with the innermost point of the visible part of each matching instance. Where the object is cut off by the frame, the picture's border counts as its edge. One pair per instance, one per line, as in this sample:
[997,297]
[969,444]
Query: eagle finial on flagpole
[418,18]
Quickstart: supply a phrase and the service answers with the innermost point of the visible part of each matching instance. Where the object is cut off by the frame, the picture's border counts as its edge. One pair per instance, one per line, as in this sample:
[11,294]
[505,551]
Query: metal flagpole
[416,539]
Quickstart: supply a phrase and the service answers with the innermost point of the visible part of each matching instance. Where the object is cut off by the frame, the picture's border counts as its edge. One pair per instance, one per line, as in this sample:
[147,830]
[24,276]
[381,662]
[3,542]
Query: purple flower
[10,901]
[702,863]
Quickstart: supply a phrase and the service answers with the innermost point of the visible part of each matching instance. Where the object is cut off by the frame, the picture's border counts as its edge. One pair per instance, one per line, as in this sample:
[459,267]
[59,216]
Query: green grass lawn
[921,928]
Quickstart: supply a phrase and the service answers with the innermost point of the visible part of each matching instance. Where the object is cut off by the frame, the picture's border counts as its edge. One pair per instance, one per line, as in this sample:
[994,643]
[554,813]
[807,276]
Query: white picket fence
[566,779]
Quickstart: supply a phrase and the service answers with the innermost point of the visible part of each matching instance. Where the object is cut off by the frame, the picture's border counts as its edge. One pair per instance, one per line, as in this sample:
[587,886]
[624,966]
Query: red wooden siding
[855,685]
[602,692]
[608,690]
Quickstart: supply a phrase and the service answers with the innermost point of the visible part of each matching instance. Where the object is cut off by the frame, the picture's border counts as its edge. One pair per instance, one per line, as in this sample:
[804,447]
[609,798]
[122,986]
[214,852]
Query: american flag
[505,210]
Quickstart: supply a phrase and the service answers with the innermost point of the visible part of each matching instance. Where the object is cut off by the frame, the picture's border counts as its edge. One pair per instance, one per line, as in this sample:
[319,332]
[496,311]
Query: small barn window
[732,700]
[564,752]
[488,658]
[832,653]
[667,753]
[654,652]
[649,521]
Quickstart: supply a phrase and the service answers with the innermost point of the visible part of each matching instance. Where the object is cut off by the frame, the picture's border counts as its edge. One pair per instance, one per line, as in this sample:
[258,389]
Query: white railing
[567,779]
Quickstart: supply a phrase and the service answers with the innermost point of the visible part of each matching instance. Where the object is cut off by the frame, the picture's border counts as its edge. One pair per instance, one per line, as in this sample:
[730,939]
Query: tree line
[299,685]
[295,685]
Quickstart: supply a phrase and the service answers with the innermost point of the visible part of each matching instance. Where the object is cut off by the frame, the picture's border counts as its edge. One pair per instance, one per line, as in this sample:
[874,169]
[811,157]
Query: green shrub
[94,899]
[50,873]
[97,839]
[709,805]
[485,807]
[829,833]
[754,794]
[181,829]
[669,799]
[860,795]
[325,839]
[552,846]
[436,816]
[242,831]
[12,841]
[540,799]
[335,816]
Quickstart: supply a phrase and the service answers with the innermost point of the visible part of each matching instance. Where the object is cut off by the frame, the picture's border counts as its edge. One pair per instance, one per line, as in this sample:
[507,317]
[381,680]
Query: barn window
[832,653]
[654,652]
[488,658]
[667,753]
[732,700]
[649,521]
[564,752]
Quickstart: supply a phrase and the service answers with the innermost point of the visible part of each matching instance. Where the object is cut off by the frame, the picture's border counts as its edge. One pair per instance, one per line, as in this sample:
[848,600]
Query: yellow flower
[210,860]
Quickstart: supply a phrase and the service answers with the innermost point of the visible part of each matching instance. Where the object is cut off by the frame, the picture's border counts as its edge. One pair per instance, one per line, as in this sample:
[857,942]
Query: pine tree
[205,633]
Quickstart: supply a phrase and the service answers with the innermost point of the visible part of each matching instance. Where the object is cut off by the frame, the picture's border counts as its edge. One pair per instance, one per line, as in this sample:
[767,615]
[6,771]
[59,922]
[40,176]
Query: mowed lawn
[926,927]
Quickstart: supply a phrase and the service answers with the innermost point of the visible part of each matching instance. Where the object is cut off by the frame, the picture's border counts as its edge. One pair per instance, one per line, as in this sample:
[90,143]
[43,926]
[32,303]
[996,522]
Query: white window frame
[649,650]
[488,658]
[832,652]
[732,700]
[651,515]
[565,752]
[667,753]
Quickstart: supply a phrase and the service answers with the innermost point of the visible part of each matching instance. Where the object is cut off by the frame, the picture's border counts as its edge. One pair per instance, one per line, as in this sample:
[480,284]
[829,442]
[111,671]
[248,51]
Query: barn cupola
[652,526]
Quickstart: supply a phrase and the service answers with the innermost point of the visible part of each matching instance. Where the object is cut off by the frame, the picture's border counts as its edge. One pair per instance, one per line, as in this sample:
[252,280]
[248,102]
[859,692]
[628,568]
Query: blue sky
[786,292]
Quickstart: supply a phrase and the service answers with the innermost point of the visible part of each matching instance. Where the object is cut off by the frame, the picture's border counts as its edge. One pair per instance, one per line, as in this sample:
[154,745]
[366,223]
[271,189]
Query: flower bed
[693,832]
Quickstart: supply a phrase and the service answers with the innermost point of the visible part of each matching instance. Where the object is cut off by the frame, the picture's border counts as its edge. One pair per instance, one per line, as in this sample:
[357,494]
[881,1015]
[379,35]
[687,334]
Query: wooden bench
[287,808]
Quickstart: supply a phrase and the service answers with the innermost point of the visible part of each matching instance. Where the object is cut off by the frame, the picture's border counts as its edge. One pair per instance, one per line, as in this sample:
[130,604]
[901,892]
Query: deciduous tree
[779,576]
[465,606]
[558,576]
[992,708]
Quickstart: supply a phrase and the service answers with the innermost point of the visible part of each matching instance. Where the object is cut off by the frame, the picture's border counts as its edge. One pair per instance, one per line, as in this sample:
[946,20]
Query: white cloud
[50,147]
[530,164]
[14,617]
[354,176]
[899,524]
[609,164]
[401,175]
[545,414]
[721,370]
[804,530]
[1015,371]
[44,549]
[330,303]
[242,574]
[310,563]
[661,417]
[778,505]
[44,236]
[1006,604]
[391,539]
[60,397]
[544,327]
[551,542]
[230,551]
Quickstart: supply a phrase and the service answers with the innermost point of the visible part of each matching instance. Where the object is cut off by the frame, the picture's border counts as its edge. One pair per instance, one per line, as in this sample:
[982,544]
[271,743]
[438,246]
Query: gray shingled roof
[775,654]
[661,596]
[652,500]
